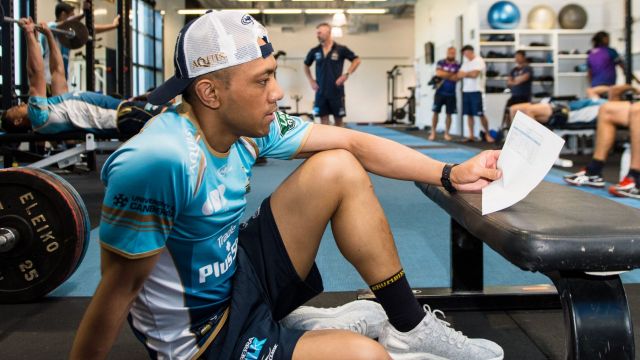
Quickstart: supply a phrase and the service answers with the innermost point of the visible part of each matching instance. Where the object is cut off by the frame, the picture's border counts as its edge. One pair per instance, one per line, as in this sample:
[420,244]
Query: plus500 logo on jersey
[252,349]
[219,268]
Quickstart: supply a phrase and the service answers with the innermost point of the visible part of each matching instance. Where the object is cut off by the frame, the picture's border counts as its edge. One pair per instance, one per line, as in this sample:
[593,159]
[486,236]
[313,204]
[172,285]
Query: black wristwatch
[446,178]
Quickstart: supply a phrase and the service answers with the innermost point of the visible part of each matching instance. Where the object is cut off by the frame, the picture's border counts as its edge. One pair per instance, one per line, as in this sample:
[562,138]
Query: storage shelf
[497,43]
[572,56]
[536,48]
[573,74]
[541,64]
[504,60]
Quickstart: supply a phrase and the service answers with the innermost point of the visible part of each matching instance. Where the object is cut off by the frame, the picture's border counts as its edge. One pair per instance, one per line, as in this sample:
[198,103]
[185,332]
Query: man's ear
[208,92]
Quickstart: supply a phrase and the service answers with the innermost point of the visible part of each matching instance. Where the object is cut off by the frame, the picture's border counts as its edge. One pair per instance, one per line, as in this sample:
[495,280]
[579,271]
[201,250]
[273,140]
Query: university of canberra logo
[120,200]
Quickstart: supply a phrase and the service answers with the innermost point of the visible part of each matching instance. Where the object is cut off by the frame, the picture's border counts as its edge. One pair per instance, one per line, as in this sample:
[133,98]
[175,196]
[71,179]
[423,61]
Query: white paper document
[527,156]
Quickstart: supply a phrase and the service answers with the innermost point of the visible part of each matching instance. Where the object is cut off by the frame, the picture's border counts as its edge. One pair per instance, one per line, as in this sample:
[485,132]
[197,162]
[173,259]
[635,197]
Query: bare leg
[485,126]
[611,115]
[337,121]
[324,119]
[634,129]
[470,123]
[338,345]
[448,126]
[333,187]
[434,124]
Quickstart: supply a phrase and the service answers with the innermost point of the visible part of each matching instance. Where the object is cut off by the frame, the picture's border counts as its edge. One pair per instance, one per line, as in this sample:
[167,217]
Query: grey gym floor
[45,330]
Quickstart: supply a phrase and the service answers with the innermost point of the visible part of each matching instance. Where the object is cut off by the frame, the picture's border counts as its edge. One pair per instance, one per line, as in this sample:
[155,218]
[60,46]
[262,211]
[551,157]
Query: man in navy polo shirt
[329,57]
[520,81]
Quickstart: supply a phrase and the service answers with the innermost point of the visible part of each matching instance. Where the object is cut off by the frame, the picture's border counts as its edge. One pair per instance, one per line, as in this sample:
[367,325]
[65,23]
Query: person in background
[519,81]
[329,57]
[602,61]
[472,75]
[67,12]
[447,70]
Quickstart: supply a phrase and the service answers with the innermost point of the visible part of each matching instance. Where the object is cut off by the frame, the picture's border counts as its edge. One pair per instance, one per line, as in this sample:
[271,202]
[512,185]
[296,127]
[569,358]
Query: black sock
[398,301]
[595,167]
[635,174]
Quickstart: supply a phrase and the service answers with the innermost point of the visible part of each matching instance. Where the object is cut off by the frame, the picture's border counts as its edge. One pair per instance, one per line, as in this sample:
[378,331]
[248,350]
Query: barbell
[44,233]
[71,34]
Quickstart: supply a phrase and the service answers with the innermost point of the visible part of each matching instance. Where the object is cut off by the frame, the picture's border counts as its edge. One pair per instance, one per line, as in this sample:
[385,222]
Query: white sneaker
[434,339]
[362,316]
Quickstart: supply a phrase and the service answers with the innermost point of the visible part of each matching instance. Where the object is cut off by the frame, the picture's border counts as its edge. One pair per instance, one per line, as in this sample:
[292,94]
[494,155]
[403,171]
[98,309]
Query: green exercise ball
[572,16]
[541,17]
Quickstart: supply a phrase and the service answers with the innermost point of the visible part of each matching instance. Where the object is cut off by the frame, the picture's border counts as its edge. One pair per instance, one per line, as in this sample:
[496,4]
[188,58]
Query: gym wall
[436,21]
[366,90]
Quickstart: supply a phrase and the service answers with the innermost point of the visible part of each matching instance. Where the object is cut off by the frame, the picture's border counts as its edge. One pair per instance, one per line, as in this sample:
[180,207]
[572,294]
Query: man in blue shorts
[67,111]
[329,57]
[447,70]
[196,283]
[472,73]
[519,82]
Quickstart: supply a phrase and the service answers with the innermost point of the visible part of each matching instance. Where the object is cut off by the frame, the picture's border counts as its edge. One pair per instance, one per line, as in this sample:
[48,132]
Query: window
[147,46]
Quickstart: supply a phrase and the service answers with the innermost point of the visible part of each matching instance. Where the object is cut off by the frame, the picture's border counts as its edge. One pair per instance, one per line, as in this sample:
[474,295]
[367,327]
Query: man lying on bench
[68,111]
[557,114]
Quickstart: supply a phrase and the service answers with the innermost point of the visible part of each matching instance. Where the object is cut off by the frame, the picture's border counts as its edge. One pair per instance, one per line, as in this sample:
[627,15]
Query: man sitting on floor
[67,111]
[612,115]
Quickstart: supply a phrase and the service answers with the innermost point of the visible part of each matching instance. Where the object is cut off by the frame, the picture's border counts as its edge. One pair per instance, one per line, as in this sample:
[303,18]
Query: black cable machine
[399,112]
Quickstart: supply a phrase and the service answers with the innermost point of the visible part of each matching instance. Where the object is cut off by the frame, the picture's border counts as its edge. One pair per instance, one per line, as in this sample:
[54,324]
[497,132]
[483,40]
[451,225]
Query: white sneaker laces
[448,334]
[359,326]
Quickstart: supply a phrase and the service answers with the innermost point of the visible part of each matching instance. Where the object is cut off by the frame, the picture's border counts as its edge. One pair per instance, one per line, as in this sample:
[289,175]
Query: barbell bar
[71,34]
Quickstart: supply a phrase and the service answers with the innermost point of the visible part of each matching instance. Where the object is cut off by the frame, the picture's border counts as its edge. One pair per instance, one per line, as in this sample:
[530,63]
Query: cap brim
[168,90]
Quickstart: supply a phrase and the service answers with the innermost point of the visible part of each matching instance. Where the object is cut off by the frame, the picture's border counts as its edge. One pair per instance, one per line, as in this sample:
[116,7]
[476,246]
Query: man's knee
[367,349]
[336,167]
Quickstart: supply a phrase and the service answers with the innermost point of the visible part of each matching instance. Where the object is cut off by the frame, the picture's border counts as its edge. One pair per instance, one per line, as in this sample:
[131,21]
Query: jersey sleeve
[37,111]
[310,58]
[145,191]
[286,137]
[440,65]
[348,54]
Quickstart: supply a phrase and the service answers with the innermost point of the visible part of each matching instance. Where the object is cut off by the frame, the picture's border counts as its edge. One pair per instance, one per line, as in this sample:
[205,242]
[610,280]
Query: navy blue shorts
[266,288]
[448,101]
[324,106]
[472,103]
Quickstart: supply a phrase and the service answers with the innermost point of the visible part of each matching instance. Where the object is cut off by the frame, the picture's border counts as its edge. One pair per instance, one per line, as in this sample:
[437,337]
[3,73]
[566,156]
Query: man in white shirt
[472,75]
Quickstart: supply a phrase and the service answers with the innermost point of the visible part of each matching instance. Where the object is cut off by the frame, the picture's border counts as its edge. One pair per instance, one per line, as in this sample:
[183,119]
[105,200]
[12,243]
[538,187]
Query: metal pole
[8,67]
[123,65]
[628,36]
[90,48]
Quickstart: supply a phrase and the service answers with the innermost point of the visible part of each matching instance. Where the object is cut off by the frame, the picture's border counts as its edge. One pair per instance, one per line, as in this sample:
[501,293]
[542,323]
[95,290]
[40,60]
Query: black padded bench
[543,233]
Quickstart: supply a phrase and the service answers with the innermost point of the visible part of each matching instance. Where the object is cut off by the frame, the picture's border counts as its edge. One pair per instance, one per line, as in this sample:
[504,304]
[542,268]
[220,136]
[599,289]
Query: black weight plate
[43,259]
[80,213]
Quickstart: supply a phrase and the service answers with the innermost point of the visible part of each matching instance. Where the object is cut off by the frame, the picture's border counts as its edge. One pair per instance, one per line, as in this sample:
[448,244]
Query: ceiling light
[339,19]
[282,11]
[313,0]
[367,0]
[256,0]
[322,11]
[99,11]
[366,11]
[202,11]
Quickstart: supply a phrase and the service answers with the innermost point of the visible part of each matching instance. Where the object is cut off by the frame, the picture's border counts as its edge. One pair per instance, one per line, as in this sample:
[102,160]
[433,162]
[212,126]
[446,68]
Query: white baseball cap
[216,40]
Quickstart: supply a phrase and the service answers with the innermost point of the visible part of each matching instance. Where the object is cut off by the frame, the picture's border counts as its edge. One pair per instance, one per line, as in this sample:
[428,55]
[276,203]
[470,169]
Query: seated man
[67,111]
[195,283]
[612,115]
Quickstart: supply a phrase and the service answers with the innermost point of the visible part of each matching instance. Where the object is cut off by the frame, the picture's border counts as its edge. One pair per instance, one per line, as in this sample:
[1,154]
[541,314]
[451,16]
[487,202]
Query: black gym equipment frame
[8,59]
[123,65]
[628,36]
[90,50]
[27,8]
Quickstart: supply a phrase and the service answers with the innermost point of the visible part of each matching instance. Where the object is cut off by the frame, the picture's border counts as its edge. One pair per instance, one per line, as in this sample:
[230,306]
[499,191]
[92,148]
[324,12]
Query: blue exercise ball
[503,15]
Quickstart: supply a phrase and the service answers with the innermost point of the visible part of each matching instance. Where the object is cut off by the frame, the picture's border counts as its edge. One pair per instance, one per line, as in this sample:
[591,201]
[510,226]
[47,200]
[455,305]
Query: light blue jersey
[70,111]
[169,193]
